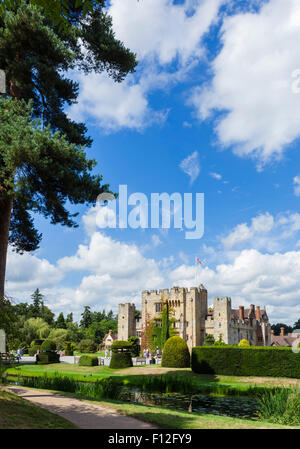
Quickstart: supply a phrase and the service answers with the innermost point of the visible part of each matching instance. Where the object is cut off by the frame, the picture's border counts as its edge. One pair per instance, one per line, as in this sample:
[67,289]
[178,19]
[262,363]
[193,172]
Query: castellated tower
[222,318]
[188,307]
[126,321]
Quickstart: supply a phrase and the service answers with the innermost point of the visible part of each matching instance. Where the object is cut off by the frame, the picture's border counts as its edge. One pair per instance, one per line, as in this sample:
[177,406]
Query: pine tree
[60,322]
[86,317]
[37,303]
[43,164]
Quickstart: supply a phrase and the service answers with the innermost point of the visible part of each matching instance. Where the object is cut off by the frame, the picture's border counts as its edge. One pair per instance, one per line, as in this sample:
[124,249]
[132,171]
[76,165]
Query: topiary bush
[88,360]
[121,355]
[47,357]
[48,345]
[244,344]
[68,349]
[87,345]
[120,360]
[176,353]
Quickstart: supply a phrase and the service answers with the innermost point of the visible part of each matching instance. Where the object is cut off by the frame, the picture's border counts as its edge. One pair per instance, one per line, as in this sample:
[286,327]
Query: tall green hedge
[120,360]
[253,361]
[176,353]
[88,360]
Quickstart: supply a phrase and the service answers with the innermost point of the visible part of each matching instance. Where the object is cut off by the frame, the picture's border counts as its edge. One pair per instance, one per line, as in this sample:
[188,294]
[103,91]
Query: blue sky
[215,81]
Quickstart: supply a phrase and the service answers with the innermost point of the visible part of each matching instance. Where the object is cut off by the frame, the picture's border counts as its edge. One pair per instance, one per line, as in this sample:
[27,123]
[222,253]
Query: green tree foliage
[43,164]
[86,317]
[59,336]
[87,346]
[60,322]
[175,353]
[35,328]
[135,347]
[162,328]
[276,328]
[209,340]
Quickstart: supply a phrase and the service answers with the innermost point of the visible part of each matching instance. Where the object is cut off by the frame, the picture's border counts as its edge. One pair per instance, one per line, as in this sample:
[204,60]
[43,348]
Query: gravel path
[84,414]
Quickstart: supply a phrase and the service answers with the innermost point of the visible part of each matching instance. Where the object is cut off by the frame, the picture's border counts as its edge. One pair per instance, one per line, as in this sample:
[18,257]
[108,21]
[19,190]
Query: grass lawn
[17,413]
[98,372]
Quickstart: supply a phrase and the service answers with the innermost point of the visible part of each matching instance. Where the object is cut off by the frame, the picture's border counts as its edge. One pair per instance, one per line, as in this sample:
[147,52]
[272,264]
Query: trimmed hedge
[120,360]
[88,360]
[68,348]
[48,345]
[253,361]
[121,344]
[176,353]
[47,357]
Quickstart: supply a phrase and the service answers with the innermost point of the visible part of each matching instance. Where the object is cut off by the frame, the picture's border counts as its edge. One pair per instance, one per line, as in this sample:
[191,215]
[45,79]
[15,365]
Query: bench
[140,360]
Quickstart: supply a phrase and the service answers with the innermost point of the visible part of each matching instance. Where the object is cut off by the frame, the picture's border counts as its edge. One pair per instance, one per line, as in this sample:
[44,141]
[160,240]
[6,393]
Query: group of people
[147,354]
[20,353]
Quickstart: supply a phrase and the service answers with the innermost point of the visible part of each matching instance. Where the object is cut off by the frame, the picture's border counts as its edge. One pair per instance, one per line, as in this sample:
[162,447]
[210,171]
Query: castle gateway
[193,320]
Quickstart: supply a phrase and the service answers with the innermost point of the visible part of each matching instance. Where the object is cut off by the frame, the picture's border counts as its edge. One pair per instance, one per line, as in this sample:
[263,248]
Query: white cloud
[191,166]
[163,30]
[216,176]
[271,280]
[150,30]
[27,272]
[296,182]
[252,82]
[265,232]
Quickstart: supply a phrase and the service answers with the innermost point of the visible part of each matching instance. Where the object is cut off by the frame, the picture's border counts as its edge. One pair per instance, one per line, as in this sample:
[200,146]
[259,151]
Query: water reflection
[237,407]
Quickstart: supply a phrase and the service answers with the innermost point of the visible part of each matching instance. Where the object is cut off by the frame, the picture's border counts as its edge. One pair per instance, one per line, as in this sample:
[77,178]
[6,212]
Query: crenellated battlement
[192,318]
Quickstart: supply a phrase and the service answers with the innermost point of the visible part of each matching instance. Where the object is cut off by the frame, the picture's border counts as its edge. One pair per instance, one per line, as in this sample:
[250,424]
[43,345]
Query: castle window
[158,323]
[158,307]
[187,324]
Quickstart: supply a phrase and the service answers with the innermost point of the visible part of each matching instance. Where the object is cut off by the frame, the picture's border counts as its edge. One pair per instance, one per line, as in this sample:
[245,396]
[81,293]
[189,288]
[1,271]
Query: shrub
[68,348]
[48,345]
[120,360]
[135,348]
[281,406]
[252,361]
[37,343]
[209,340]
[244,344]
[32,350]
[88,360]
[176,353]
[47,357]
[88,346]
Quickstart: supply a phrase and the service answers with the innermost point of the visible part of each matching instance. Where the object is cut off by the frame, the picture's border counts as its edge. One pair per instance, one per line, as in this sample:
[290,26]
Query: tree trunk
[5,216]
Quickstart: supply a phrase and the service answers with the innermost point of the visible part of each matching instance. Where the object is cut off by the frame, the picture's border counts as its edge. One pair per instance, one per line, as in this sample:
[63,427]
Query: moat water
[236,407]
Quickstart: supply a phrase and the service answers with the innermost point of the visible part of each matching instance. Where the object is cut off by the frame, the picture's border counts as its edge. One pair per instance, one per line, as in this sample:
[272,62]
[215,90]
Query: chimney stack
[272,333]
[241,313]
[282,332]
[257,314]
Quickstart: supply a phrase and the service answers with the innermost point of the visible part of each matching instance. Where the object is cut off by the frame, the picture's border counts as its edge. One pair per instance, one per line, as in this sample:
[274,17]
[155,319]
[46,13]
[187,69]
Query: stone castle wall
[188,308]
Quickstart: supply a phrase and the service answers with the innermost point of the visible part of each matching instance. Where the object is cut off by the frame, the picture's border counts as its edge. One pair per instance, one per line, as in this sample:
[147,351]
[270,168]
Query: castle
[192,319]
